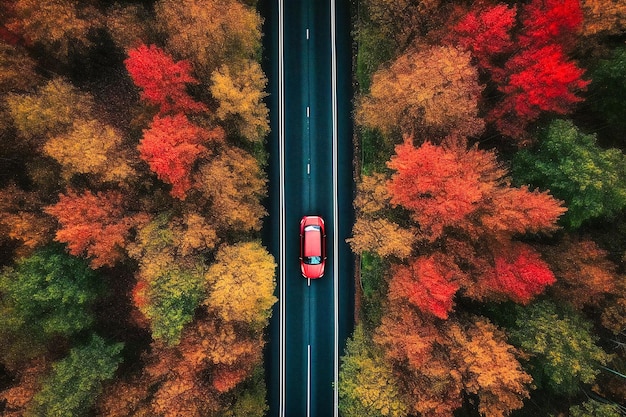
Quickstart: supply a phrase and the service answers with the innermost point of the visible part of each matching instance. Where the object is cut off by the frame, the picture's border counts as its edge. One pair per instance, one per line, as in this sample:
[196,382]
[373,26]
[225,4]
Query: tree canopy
[561,345]
[131,190]
[568,162]
[434,90]
[76,380]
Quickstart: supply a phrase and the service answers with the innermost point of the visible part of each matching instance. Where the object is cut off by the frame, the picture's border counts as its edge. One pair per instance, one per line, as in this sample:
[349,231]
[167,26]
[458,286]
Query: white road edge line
[281,157]
[333,31]
[308,381]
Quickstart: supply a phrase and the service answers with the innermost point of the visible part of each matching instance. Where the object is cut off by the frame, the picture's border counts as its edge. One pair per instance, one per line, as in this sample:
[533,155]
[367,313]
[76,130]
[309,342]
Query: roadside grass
[372,51]
[374,287]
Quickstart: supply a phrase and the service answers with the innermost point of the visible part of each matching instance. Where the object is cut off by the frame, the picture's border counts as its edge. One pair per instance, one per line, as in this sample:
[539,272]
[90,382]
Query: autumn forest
[134,280]
[489,209]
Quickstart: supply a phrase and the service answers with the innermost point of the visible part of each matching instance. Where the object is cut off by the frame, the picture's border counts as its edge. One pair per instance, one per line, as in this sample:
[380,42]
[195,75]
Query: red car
[312,247]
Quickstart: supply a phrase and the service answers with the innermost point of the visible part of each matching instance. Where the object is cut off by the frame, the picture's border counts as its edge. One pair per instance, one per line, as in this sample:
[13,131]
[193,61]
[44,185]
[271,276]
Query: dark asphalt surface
[309,310]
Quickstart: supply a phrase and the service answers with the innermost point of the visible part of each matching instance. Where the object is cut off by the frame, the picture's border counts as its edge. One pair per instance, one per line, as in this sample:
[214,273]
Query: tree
[251,401]
[58,25]
[240,93]
[591,180]
[609,86]
[21,213]
[536,80]
[485,31]
[382,237]
[593,408]
[241,284]
[195,235]
[76,380]
[17,69]
[427,283]
[462,199]
[547,22]
[614,314]
[172,145]
[94,225]
[490,368]
[433,92]
[47,296]
[441,187]
[415,347]
[162,81]
[51,291]
[234,185]
[51,110]
[519,274]
[168,299]
[125,23]
[402,22]
[560,341]
[584,274]
[451,186]
[16,399]
[435,362]
[90,147]
[169,287]
[227,351]
[367,384]
[210,33]
[602,17]
[372,196]
[372,231]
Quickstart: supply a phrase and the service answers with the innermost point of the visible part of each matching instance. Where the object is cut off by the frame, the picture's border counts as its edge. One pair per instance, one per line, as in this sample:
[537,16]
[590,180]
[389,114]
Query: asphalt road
[311,322]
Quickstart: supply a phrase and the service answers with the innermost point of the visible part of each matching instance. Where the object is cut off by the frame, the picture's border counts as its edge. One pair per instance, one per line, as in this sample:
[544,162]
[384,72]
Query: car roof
[312,241]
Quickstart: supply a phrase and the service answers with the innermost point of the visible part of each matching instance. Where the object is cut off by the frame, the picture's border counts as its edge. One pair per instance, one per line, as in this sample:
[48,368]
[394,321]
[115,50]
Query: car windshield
[312,260]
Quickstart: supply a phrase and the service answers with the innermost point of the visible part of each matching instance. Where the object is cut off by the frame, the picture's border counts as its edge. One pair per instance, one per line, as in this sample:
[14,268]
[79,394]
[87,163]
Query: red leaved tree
[536,76]
[441,186]
[163,82]
[546,22]
[427,283]
[461,198]
[94,225]
[171,146]
[519,274]
[486,33]
[452,186]
[537,80]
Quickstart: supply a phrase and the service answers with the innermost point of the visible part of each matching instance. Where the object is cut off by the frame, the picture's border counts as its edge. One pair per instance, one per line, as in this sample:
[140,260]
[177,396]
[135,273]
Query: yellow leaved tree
[234,184]
[240,92]
[209,32]
[241,284]
[90,147]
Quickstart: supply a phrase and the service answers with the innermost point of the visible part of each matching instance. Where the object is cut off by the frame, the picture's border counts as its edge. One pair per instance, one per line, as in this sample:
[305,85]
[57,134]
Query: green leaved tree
[607,90]
[563,349]
[593,408]
[169,286]
[76,380]
[46,295]
[569,163]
